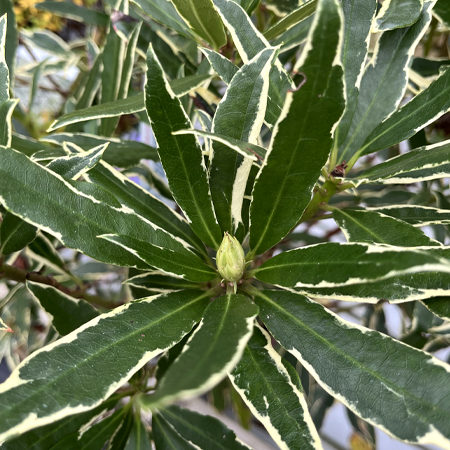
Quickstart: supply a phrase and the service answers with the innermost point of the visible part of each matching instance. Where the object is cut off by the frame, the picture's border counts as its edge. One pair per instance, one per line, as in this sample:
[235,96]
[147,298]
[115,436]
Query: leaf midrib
[358,364]
[85,361]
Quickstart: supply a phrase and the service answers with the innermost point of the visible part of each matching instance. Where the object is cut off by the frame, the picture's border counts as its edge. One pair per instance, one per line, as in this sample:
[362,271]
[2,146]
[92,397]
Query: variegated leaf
[240,116]
[223,66]
[346,264]
[265,385]
[46,384]
[373,370]
[212,351]
[397,14]
[180,156]
[158,281]
[249,42]
[302,139]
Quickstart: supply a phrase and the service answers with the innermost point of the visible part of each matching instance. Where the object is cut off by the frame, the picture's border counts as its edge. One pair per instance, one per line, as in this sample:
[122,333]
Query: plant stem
[322,195]
[21,276]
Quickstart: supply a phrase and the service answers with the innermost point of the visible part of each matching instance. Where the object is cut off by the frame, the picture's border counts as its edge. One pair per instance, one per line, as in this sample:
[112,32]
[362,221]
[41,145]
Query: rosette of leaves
[281,129]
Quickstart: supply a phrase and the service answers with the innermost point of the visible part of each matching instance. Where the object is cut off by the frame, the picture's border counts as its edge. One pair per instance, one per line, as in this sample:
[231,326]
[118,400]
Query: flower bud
[230,259]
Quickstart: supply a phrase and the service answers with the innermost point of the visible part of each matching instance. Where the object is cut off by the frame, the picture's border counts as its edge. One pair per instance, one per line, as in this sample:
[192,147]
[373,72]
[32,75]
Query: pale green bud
[230,259]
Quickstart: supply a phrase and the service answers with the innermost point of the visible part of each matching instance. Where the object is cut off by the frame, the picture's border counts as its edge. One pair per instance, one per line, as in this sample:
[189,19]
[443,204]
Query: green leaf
[113,60]
[138,439]
[422,110]
[177,261]
[289,20]
[51,388]
[384,381]
[223,66]
[144,204]
[47,41]
[164,12]
[397,14]
[240,116]
[214,349]
[295,35]
[345,264]
[266,387]
[12,40]
[160,282]
[6,110]
[201,430]
[440,306]
[358,18]
[251,151]
[75,165]
[120,153]
[38,71]
[375,227]
[44,438]
[421,164]
[67,313]
[303,136]
[4,73]
[416,215]
[128,105]
[397,289]
[166,437]
[28,145]
[442,12]
[15,234]
[96,436]
[76,218]
[383,84]
[249,42]
[203,19]
[74,12]
[180,156]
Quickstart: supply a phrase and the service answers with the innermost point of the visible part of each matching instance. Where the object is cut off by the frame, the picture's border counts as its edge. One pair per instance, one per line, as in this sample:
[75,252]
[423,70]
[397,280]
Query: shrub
[267,134]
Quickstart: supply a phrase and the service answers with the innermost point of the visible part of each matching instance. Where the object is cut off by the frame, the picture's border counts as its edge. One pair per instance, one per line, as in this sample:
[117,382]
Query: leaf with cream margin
[358,18]
[334,264]
[265,385]
[141,202]
[397,14]
[291,19]
[166,437]
[398,289]
[212,351]
[119,153]
[442,12]
[203,19]
[52,386]
[201,430]
[129,105]
[31,191]
[160,282]
[181,156]
[15,234]
[423,109]
[249,42]
[383,83]
[44,438]
[239,115]
[375,227]
[417,216]
[139,438]
[67,313]
[73,166]
[164,12]
[440,306]
[222,65]
[395,387]
[252,151]
[184,264]
[421,164]
[302,139]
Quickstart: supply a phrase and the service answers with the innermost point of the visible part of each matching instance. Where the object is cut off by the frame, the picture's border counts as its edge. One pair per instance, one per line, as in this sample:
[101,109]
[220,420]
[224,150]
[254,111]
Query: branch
[21,276]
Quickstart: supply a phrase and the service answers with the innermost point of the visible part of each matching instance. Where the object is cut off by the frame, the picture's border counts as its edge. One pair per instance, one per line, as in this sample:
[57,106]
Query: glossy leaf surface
[303,137]
[378,369]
